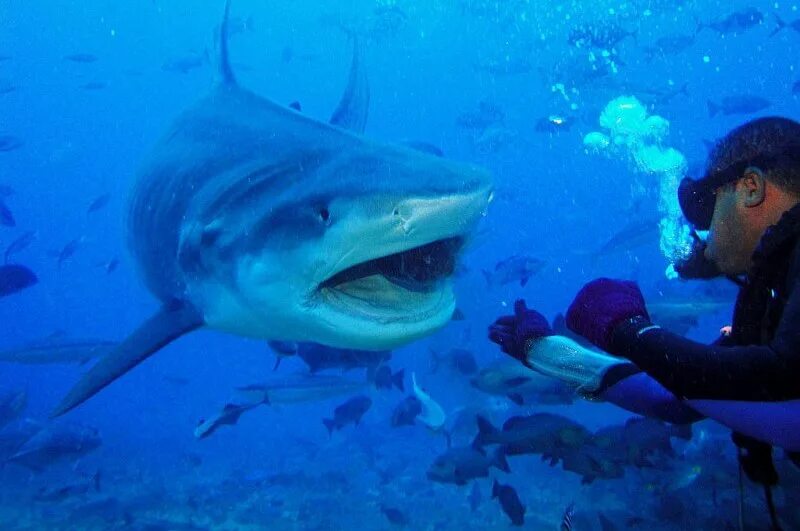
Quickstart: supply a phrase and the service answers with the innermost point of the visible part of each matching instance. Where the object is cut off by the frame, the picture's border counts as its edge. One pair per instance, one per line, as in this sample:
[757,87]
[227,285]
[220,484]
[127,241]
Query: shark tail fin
[224,63]
[397,380]
[171,322]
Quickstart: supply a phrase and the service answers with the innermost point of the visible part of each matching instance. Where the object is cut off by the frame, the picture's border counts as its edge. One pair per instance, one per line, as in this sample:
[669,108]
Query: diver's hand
[696,265]
[602,305]
[514,332]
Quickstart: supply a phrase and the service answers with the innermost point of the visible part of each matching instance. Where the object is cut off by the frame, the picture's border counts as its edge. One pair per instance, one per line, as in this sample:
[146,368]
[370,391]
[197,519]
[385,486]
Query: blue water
[426,63]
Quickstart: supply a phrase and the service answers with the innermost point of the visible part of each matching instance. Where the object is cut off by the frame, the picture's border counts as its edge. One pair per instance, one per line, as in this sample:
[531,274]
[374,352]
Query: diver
[749,379]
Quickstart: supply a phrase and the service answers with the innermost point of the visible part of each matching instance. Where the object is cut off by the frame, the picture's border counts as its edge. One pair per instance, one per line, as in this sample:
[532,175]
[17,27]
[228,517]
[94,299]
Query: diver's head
[752,178]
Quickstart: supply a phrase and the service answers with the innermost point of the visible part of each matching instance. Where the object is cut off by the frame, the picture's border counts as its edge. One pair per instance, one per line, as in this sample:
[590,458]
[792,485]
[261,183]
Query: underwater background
[86,88]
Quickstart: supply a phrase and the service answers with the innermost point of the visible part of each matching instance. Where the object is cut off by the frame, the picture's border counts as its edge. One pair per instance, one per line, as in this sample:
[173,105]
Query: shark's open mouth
[410,281]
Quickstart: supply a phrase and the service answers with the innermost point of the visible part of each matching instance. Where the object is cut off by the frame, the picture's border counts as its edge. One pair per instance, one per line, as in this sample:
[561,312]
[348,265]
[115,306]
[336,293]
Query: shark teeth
[419,269]
[410,285]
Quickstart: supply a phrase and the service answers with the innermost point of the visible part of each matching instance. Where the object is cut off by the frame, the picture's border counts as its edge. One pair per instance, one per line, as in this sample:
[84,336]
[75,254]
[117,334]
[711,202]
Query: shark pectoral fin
[171,322]
[351,113]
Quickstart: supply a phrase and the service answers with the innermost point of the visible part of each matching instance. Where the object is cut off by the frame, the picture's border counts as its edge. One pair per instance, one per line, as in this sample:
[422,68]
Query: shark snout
[442,215]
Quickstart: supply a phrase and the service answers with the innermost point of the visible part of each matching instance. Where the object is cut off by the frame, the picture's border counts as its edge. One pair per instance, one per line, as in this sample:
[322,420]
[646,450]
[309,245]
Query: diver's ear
[753,187]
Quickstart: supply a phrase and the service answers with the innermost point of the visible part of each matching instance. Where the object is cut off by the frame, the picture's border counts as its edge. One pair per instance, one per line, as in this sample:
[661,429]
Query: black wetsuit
[760,360]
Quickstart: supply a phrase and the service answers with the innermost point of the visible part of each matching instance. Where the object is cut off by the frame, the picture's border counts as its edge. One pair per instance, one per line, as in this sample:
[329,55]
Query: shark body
[254,219]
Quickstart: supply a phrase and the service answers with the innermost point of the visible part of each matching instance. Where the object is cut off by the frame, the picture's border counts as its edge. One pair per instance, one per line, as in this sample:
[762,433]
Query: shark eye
[325,216]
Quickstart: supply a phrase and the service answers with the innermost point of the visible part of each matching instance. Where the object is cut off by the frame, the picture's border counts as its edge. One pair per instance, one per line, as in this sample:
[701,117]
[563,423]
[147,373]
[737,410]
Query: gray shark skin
[254,219]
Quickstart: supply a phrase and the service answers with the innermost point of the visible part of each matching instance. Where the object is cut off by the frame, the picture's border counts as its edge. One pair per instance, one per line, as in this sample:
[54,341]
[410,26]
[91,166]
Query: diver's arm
[598,376]
[694,370]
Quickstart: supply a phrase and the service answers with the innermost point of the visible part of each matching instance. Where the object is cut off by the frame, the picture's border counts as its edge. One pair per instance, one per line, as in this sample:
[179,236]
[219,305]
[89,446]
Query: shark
[254,219]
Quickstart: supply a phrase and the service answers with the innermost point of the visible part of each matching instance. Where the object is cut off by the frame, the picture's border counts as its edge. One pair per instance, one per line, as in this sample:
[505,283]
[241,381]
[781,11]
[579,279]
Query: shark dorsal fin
[226,76]
[351,113]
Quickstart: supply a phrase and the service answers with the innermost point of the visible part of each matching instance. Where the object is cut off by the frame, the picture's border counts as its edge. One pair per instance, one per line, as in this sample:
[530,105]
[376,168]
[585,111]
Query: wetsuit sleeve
[694,370]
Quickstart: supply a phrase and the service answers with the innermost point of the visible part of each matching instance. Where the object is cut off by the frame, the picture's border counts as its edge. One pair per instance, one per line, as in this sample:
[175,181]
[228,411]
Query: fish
[15,278]
[486,115]
[58,350]
[81,58]
[474,497]
[320,358]
[592,463]
[781,25]
[395,516]
[670,45]
[680,313]
[521,385]
[282,349]
[67,252]
[516,268]
[509,502]
[796,88]
[6,217]
[566,520]
[6,86]
[298,388]
[55,443]
[228,416]
[653,436]
[504,66]
[738,104]
[432,415]
[602,36]
[550,435]
[98,203]
[630,237]
[15,435]
[22,242]
[459,360]
[349,412]
[70,490]
[94,85]
[740,20]
[110,266]
[9,143]
[384,379]
[12,405]
[292,389]
[554,123]
[406,412]
[463,464]
[245,203]
[186,63]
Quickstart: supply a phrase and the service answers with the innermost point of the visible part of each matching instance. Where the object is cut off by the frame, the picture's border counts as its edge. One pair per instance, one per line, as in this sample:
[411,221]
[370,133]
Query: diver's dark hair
[774,139]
